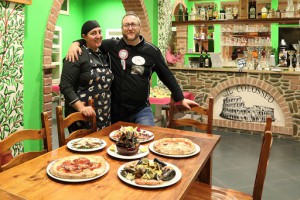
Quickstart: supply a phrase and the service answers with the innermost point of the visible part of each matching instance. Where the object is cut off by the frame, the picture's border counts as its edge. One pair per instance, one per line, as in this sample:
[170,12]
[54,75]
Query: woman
[89,77]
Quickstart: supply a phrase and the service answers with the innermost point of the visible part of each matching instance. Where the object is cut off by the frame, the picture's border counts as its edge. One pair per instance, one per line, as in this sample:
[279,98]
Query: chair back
[63,123]
[262,165]
[205,113]
[268,126]
[27,134]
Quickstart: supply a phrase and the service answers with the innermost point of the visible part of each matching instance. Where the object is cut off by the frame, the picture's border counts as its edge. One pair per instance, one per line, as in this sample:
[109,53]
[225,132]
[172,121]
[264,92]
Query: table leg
[205,175]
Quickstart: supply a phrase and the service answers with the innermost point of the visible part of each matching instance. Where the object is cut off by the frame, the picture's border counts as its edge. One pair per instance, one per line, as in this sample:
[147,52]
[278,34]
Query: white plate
[197,150]
[141,141]
[70,145]
[135,156]
[75,180]
[164,184]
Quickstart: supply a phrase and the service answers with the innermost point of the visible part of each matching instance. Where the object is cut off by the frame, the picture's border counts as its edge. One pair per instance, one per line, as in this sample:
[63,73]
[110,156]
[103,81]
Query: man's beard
[136,36]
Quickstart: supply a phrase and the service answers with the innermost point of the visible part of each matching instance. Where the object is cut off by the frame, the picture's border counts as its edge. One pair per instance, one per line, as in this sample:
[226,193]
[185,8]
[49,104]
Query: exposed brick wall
[130,5]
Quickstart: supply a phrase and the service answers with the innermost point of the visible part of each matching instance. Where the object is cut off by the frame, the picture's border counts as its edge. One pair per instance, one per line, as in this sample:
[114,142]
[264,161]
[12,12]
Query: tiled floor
[235,161]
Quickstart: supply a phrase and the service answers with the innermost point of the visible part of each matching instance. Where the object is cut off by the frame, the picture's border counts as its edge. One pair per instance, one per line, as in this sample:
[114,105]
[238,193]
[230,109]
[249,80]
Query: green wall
[36,16]
[71,24]
[109,14]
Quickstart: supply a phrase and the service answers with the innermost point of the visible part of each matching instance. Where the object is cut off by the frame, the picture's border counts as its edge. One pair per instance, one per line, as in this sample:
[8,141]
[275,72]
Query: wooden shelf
[240,21]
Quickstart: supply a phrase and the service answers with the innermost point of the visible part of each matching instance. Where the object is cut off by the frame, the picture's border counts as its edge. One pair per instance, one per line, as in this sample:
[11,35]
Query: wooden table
[30,180]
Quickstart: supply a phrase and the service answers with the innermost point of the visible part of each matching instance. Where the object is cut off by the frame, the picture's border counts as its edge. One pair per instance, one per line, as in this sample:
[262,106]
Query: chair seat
[202,191]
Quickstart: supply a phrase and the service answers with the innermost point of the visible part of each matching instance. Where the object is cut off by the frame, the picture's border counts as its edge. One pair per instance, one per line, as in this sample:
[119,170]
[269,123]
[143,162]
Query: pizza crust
[91,166]
[174,146]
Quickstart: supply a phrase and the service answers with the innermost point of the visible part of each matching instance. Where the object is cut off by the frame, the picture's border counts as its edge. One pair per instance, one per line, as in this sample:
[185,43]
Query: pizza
[174,146]
[78,167]
[86,143]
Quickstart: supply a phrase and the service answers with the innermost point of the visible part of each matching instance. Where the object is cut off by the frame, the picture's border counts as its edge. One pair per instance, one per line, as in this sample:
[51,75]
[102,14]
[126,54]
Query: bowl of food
[128,144]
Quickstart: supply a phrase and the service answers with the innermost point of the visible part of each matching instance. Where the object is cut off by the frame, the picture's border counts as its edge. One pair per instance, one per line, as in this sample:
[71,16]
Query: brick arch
[133,5]
[287,128]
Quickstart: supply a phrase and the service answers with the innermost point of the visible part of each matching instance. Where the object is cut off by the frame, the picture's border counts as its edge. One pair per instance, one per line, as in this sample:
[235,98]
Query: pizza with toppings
[174,146]
[78,167]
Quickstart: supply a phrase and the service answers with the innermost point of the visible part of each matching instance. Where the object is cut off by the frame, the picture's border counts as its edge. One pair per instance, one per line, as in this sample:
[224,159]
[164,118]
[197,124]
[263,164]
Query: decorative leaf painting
[164,26]
[12,22]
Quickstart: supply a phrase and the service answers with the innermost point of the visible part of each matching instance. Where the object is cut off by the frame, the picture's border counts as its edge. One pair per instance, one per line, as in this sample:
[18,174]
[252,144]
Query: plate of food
[146,173]
[86,144]
[143,135]
[78,168]
[142,152]
[174,147]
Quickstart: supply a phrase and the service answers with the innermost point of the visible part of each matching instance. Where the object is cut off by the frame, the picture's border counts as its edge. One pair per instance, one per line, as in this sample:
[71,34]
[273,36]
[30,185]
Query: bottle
[201,61]
[235,12]
[206,60]
[222,13]
[216,12]
[193,13]
[196,47]
[180,13]
[209,12]
[290,9]
[282,56]
[202,13]
[186,15]
[278,13]
[252,9]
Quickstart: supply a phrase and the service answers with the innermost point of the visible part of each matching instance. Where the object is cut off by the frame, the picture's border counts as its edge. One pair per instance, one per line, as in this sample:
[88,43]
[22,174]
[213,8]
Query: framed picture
[64,8]
[21,1]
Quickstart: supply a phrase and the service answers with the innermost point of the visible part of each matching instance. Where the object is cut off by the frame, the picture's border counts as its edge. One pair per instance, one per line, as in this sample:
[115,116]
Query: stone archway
[137,6]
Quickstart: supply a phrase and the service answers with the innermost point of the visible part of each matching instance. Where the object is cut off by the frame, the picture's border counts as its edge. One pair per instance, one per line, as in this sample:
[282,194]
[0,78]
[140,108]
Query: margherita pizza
[174,146]
[78,167]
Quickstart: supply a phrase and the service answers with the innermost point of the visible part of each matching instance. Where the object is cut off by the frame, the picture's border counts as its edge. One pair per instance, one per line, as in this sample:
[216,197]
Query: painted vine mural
[164,27]
[12,23]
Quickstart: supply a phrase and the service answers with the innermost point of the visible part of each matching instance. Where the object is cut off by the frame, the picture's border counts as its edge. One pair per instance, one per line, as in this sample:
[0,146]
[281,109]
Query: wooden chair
[200,190]
[27,134]
[205,125]
[63,123]
[206,113]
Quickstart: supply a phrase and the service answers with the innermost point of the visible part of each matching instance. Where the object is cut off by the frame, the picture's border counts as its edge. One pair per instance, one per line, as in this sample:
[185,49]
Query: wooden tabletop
[30,180]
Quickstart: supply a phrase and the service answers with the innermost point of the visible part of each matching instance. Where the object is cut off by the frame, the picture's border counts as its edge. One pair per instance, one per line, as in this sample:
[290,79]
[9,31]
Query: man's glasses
[133,25]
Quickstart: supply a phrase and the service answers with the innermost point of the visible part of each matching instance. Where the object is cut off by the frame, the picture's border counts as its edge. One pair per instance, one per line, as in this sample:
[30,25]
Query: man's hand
[73,52]
[188,103]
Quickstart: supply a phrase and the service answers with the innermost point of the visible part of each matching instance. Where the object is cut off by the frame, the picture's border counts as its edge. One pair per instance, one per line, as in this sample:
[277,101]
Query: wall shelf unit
[239,21]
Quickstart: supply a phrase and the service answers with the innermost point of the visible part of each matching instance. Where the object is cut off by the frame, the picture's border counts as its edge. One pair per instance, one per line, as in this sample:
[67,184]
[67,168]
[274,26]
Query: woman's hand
[88,111]
[73,52]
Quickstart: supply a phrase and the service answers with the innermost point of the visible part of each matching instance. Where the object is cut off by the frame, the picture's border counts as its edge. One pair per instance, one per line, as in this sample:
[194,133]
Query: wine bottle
[206,60]
[186,15]
[201,61]
[180,13]
[222,13]
[196,47]
[252,9]
[209,12]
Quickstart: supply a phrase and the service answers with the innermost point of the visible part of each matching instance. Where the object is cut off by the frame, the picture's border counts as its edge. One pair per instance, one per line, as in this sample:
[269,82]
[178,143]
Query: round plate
[197,150]
[75,180]
[70,145]
[164,184]
[112,134]
[139,154]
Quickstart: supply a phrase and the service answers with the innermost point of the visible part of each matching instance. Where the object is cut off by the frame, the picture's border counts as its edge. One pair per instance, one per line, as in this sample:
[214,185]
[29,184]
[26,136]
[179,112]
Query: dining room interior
[243,96]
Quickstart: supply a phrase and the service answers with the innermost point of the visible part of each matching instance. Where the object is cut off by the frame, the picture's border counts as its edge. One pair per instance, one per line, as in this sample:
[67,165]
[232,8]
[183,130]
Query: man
[133,62]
